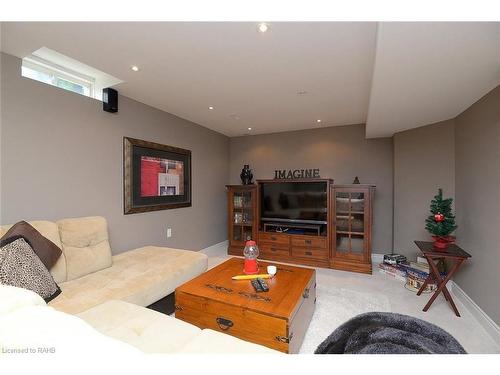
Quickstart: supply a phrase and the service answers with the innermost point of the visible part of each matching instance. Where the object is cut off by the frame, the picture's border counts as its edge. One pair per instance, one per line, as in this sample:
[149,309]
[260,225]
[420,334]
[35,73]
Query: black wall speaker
[110,100]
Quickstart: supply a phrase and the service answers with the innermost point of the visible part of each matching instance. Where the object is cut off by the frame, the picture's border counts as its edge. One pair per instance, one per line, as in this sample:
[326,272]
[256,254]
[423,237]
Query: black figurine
[246,175]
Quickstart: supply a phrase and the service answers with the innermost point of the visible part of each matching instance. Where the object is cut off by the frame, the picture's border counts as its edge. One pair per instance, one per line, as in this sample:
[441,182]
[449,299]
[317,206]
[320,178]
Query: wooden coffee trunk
[277,319]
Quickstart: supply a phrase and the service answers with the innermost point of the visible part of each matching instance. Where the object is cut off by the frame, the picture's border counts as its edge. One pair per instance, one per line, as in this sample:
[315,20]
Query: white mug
[271,270]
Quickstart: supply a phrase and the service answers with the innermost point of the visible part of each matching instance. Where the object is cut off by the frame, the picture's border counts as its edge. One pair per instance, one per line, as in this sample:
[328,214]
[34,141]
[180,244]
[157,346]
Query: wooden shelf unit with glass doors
[351,218]
[242,219]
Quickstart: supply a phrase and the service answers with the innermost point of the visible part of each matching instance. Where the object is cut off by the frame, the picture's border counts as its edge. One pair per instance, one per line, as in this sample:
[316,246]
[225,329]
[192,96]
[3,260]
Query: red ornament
[438,217]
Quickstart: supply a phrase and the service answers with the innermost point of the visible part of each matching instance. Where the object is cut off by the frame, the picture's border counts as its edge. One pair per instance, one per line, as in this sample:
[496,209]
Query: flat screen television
[294,202]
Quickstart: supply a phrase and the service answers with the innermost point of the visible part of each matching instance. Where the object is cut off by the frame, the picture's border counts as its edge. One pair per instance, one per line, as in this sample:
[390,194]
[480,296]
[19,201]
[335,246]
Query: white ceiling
[429,72]
[393,76]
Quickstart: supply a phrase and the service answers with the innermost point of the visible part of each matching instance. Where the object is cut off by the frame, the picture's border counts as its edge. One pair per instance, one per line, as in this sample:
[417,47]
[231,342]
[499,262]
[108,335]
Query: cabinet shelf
[347,232]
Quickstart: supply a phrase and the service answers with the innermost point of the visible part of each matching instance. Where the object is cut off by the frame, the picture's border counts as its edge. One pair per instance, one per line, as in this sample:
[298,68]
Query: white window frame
[56,71]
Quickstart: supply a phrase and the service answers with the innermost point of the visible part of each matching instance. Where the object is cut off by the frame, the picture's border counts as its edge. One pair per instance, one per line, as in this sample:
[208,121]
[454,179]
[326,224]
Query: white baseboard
[216,249]
[377,258]
[483,319]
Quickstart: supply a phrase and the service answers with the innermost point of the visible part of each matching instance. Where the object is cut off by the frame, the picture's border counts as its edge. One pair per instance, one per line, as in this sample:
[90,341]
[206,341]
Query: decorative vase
[246,175]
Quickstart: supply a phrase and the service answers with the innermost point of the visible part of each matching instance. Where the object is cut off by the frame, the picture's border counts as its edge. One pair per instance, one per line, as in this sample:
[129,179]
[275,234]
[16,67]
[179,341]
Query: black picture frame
[134,151]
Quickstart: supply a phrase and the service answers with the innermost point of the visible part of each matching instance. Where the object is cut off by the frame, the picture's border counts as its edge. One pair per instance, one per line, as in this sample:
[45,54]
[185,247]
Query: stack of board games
[391,266]
[396,271]
[417,272]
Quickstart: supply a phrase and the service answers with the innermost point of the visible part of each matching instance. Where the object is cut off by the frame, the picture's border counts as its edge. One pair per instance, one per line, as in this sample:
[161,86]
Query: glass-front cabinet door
[351,219]
[242,214]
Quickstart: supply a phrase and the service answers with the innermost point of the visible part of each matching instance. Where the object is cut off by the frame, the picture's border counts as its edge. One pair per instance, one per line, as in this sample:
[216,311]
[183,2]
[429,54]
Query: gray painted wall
[424,160]
[340,152]
[478,200]
[61,157]
[462,156]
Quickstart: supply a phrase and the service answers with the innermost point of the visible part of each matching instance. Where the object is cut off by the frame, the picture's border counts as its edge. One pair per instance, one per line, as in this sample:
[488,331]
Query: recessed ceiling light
[249,128]
[134,68]
[318,120]
[263,27]
[210,108]
[302,92]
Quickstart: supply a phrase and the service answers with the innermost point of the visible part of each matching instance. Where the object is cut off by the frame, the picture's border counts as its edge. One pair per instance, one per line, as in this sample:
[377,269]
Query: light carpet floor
[335,306]
[343,295]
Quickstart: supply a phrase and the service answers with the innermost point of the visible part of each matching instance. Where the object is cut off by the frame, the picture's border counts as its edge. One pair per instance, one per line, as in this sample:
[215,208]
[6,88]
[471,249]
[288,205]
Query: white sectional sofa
[114,327]
[154,332]
[88,274]
[101,306]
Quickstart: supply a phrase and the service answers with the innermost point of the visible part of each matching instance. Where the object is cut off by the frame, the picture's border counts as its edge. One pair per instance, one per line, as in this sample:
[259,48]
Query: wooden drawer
[309,241]
[233,320]
[275,250]
[310,252]
[282,239]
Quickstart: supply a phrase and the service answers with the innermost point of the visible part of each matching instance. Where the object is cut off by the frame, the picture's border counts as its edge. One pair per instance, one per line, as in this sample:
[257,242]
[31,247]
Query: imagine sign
[285,174]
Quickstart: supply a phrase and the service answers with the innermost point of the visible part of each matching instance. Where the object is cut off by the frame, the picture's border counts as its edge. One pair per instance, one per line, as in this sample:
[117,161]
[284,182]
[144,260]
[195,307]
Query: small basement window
[55,69]
[55,76]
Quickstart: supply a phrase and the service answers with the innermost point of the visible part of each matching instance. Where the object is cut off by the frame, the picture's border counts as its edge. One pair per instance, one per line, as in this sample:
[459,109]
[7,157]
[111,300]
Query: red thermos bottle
[251,252]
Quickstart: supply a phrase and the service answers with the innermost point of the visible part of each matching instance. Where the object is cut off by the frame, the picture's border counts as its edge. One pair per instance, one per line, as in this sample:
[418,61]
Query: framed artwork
[155,176]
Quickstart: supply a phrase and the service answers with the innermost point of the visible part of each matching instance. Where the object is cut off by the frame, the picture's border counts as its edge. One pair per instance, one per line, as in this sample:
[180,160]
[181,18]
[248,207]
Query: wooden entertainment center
[339,236]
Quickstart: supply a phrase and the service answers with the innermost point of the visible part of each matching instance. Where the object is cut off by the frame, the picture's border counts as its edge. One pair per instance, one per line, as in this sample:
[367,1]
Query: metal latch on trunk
[284,339]
[224,323]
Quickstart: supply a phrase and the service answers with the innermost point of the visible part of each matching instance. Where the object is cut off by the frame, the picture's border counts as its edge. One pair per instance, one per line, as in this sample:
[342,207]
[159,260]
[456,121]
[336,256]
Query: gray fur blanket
[389,333]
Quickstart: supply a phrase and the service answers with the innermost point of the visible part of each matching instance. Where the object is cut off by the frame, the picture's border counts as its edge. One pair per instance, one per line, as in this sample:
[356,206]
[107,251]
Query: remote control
[259,285]
[263,284]
[256,285]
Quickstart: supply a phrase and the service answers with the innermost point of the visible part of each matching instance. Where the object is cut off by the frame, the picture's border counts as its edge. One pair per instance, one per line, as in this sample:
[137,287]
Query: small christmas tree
[441,222]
